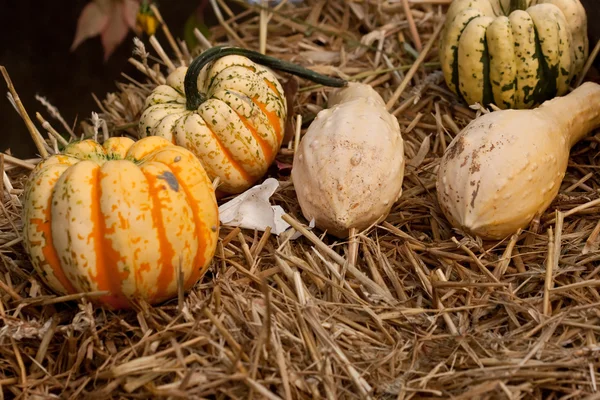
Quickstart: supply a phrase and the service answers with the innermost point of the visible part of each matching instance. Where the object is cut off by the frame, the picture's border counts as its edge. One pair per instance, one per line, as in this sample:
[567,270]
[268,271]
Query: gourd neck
[195,97]
[577,113]
[517,5]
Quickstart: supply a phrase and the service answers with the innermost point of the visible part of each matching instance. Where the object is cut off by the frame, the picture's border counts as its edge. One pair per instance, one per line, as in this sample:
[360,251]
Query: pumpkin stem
[517,5]
[195,98]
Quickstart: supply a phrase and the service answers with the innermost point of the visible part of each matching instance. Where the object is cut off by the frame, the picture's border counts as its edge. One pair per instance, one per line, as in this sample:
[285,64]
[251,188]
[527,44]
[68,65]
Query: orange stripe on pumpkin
[272,87]
[107,270]
[49,251]
[235,164]
[274,119]
[266,147]
[201,231]
[167,270]
[248,67]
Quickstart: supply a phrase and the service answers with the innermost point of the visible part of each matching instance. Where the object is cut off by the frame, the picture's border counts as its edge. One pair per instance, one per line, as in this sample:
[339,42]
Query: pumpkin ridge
[265,147]
[167,272]
[271,116]
[106,272]
[49,251]
[209,88]
[455,74]
[471,54]
[200,229]
[188,172]
[116,147]
[551,70]
[273,88]
[234,163]
[136,156]
[209,67]
[544,86]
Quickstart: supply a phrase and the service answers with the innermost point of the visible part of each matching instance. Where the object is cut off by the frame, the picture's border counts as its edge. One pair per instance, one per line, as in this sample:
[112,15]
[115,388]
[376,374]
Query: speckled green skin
[492,52]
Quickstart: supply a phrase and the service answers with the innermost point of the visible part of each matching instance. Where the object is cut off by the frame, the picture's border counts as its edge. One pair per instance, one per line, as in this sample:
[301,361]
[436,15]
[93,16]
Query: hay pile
[407,309]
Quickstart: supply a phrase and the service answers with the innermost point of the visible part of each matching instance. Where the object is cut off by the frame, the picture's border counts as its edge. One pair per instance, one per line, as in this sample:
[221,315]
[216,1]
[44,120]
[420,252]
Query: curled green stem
[195,97]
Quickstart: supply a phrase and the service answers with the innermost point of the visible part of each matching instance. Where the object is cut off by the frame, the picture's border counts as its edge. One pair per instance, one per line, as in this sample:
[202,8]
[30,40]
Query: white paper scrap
[252,209]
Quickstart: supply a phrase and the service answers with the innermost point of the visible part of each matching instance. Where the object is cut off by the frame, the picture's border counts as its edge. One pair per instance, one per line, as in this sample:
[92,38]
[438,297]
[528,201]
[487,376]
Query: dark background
[592,8]
[36,36]
[35,41]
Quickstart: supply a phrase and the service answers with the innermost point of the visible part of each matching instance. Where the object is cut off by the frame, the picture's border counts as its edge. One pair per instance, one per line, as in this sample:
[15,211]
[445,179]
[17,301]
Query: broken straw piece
[252,209]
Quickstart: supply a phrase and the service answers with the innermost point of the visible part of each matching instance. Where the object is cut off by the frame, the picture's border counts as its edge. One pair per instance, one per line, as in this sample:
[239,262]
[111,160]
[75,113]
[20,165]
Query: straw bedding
[407,309]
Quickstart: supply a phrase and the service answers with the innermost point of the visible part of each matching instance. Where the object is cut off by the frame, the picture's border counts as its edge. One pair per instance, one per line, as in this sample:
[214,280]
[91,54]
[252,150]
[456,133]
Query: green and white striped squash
[513,53]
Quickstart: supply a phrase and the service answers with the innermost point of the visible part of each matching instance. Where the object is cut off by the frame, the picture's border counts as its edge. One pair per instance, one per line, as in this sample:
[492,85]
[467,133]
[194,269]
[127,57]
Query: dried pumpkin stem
[195,97]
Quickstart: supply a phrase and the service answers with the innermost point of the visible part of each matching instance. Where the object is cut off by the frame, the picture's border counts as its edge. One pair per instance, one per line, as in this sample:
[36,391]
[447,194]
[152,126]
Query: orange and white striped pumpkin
[120,217]
[229,110]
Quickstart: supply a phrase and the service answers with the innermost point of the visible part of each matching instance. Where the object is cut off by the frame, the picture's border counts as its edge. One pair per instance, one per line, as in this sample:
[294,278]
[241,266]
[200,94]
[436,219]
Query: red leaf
[282,165]
[130,11]
[115,32]
[92,21]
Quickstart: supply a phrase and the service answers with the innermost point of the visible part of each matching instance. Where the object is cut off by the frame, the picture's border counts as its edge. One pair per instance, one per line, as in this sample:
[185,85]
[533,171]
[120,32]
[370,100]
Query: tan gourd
[507,166]
[349,166]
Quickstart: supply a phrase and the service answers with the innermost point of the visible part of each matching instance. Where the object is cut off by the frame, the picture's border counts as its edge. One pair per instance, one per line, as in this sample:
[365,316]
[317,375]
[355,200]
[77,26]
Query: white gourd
[507,166]
[349,166]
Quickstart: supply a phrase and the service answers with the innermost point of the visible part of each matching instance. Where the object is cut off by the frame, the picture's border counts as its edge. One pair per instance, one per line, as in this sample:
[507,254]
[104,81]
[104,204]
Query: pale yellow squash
[507,166]
[349,167]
